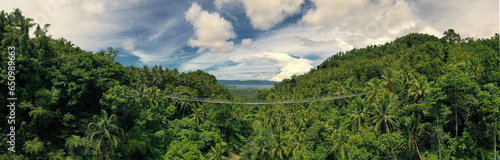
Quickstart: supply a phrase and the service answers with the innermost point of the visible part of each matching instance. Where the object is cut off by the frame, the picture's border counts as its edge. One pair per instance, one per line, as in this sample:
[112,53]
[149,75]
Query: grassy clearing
[245,93]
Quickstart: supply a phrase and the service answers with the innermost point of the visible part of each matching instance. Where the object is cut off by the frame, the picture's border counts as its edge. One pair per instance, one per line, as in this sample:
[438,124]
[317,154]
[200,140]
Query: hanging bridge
[265,102]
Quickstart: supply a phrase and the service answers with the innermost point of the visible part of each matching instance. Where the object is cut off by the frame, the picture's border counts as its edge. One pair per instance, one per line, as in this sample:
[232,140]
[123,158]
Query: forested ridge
[428,98]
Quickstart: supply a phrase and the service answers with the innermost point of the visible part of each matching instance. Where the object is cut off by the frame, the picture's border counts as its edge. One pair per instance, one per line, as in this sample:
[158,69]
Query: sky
[250,39]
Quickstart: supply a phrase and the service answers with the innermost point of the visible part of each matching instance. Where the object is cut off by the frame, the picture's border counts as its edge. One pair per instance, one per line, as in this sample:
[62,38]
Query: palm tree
[279,149]
[156,77]
[360,112]
[184,106]
[340,137]
[390,79]
[419,86]
[290,122]
[75,142]
[406,74]
[385,113]
[197,116]
[41,116]
[476,70]
[217,153]
[57,155]
[104,133]
[298,143]
[270,121]
[154,97]
[261,150]
[33,147]
[415,129]
[375,88]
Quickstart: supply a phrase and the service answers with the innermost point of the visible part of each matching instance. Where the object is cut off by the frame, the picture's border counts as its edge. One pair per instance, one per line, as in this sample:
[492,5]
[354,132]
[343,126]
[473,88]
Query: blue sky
[250,39]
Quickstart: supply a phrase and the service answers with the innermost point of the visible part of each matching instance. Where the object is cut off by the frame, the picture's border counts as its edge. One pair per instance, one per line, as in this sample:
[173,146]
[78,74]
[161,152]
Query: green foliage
[34,147]
[217,153]
[384,116]
[57,155]
[104,134]
[183,150]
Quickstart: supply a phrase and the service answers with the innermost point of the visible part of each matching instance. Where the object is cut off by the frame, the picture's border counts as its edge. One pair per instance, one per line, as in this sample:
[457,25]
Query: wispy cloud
[168,25]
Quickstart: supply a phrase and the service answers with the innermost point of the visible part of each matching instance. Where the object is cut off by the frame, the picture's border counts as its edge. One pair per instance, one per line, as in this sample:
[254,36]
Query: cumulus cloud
[288,65]
[249,64]
[478,19]
[211,30]
[264,14]
[93,6]
[366,22]
[128,44]
[74,20]
[327,11]
[246,43]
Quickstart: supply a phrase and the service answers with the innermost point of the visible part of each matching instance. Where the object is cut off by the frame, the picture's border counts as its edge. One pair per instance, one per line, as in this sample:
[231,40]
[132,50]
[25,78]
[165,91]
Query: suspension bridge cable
[260,103]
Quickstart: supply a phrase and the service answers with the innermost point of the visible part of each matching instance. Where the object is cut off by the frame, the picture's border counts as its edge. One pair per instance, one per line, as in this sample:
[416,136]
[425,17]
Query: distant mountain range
[248,82]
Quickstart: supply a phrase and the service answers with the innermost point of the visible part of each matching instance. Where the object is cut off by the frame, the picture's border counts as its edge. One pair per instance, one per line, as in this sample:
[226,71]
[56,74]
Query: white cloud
[211,30]
[151,58]
[246,43]
[328,11]
[479,19]
[288,65]
[248,64]
[89,25]
[219,3]
[128,44]
[264,14]
[93,6]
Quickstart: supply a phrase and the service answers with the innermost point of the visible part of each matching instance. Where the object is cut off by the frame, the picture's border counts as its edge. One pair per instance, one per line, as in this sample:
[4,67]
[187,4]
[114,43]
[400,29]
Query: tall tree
[419,87]
[340,138]
[415,129]
[384,114]
[375,88]
[390,79]
[489,100]
[451,37]
[279,149]
[105,133]
[217,153]
[360,112]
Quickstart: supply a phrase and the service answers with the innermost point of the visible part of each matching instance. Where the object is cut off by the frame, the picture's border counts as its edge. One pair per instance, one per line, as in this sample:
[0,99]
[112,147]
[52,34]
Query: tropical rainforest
[424,98]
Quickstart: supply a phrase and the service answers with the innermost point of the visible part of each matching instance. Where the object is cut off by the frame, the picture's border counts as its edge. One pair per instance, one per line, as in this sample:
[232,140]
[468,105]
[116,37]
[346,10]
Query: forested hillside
[75,104]
[428,97]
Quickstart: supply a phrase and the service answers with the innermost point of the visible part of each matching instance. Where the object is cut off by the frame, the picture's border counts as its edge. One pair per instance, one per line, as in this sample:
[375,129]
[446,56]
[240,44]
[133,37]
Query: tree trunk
[388,152]
[456,120]
[439,138]
[390,87]
[418,151]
